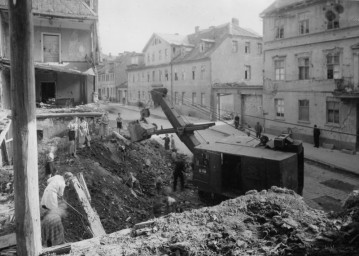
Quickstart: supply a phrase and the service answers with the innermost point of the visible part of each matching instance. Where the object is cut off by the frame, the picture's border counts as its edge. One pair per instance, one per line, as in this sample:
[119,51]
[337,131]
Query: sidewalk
[334,159]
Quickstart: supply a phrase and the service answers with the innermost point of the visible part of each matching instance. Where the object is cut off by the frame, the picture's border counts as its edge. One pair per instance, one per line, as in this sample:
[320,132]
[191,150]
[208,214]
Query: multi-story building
[211,70]
[311,69]
[112,76]
[65,51]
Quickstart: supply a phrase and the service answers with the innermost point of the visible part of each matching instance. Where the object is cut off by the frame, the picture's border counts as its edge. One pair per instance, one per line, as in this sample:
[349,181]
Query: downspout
[171,82]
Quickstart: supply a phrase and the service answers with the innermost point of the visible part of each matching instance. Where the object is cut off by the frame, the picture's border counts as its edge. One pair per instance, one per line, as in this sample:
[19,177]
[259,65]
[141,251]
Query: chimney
[235,22]
[196,29]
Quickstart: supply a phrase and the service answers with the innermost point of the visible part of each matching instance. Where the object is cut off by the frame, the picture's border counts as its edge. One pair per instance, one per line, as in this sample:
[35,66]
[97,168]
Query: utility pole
[27,211]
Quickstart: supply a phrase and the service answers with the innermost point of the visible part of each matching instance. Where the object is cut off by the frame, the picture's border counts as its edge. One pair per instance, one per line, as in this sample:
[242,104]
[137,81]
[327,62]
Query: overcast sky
[126,25]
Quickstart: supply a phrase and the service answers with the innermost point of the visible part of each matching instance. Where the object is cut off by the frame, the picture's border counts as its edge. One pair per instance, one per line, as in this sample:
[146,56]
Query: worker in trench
[72,133]
[180,166]
[49,165]
[166,204]
[52,230]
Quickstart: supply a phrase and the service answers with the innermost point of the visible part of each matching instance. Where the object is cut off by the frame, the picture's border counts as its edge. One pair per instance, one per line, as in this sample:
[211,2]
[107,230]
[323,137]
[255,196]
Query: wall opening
[48,92]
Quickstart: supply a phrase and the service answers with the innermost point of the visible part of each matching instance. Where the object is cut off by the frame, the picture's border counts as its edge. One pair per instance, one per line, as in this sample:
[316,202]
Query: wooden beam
[7,241]
[120,137]
[27,210]
[82,181]
[92,216]
[78,114]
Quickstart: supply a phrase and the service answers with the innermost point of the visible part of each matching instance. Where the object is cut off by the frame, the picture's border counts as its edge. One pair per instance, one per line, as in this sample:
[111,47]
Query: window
[303,27]
[279,107]
[193,73]
[183,75]
[279,69]
[176,76]
[166,52]
[174,50]
[194,98]
[153,57]
[303,110]
[203,99]
[260,48]
[148,76]
[166,75]
[303,65]
[153,75]
[247,72]
[160,75]
[203,70]
[176,98]
[247,48]
[183,98]
[234,46]
[201,47]
[139,95]
[333,66]
[332,111]
[333,20]
[159,55]
[279,31]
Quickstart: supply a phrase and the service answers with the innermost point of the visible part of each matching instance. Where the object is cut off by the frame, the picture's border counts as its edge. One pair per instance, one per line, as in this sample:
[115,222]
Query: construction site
[84,176]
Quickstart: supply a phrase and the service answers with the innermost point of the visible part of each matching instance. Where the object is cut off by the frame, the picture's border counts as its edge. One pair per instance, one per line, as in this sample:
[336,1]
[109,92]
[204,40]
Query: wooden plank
[120,137]
[72,114]
[82,181]
[4,153]
[5,131]
[58,249]
[23,106]
[7,240]
[92,216]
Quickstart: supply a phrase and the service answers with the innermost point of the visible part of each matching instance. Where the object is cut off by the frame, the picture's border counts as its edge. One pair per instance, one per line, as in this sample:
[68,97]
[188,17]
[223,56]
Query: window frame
[42,45]
[279,76]
[303,68]
[303,110]
[335,119]
[247,47]
[303,26]
[279,108]
[334,56]
[279,34]
[247,72]
[235,46]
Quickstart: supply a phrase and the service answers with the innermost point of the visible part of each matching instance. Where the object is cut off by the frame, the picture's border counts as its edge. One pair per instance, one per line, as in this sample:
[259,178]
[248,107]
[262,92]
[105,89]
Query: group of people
[170,141]
[79,134]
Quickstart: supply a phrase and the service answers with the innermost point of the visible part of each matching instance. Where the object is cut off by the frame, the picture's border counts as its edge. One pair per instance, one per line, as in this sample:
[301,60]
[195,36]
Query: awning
[76,68]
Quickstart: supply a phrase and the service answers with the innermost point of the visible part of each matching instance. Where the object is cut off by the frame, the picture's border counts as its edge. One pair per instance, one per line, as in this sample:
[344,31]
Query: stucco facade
[197,69]
[308,58]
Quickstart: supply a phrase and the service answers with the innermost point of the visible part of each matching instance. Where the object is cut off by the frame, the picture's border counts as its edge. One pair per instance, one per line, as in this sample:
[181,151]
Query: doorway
[48,92]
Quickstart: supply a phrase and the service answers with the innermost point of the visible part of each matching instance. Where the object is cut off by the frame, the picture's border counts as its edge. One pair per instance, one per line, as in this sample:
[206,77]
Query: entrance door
[51,48]
[48,92]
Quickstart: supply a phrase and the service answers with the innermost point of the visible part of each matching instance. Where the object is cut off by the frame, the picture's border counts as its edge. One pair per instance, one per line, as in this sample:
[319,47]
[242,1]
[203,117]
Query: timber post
[27,211]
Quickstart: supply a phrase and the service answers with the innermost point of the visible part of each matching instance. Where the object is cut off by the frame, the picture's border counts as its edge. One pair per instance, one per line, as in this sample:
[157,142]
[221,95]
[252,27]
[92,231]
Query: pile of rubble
[273,222]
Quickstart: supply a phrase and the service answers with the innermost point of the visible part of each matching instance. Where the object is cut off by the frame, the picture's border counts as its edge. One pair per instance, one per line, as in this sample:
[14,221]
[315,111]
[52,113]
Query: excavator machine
[233,165]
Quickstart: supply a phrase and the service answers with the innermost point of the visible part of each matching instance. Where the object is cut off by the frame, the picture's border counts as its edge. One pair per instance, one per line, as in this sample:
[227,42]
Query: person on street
[119,122]
[316,134]
[84,133]
[173,145]
[54,190]
[72,133]
[104,122]
[178,173]
[167,142]
[122,151]
[236,121]
[258,128]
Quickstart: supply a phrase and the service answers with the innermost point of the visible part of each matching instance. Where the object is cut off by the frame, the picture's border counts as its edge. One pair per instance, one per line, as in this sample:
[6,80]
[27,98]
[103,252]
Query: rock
[352,200]
[252,192]
[313,228]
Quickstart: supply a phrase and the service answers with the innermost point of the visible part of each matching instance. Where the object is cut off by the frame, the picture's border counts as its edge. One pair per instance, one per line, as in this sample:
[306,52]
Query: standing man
[258,128]
[167,142]
[119,122]
[316,134]
[104,122]
[73,128]
[173,145]
[178,173]
[236,121]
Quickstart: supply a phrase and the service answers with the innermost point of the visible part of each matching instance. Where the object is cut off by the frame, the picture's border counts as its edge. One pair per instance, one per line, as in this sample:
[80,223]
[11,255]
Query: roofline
[266,13]
[58,15]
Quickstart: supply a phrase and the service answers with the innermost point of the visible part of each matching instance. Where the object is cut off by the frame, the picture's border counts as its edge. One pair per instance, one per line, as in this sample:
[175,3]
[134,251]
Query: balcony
[345,89]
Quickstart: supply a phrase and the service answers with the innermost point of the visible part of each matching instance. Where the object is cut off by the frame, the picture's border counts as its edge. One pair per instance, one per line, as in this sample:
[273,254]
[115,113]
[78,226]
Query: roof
[280,4]
[172,39]
[75,8]
[76,68]
[244,146]
[214,36]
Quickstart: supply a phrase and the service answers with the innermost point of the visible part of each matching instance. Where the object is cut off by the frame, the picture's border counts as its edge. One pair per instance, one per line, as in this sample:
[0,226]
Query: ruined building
[66,50]
[311,69]
[208,73]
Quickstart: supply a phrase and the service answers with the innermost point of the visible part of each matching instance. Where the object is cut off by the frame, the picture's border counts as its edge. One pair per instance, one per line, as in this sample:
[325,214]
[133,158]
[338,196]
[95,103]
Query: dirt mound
[273,222]
[107,176]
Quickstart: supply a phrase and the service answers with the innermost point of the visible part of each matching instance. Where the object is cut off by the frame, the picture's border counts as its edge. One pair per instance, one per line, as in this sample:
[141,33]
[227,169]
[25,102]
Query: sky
[127,25]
